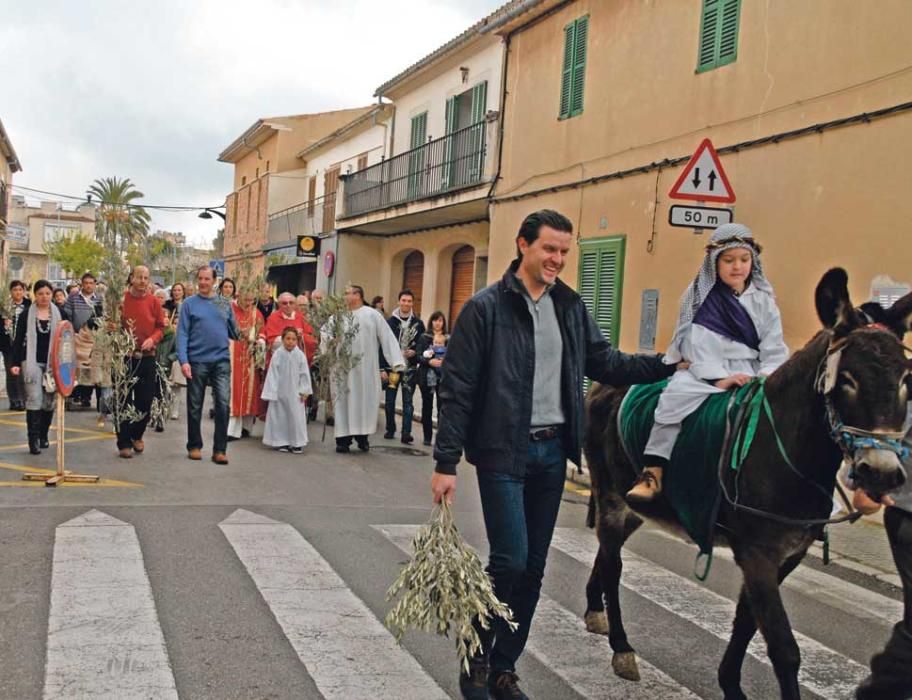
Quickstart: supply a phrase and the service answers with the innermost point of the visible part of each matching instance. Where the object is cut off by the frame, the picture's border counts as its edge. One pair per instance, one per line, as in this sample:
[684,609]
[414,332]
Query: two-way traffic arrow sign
[703,179]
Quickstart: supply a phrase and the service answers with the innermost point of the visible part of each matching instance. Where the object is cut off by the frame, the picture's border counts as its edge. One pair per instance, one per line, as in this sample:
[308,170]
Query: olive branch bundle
[334,359]
[445,588]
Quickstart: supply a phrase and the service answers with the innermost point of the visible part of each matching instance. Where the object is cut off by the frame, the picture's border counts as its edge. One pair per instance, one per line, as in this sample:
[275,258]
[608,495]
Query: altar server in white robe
[357,404]
[286,389]
[729,329]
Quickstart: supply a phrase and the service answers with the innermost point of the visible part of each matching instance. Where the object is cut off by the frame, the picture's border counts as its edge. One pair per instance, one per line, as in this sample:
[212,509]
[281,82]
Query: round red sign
[63,358]
[329,263]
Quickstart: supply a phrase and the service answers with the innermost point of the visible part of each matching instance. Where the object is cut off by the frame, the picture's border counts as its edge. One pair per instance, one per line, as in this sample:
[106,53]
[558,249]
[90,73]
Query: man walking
[511,396]
[142,315]
[83,308]
[206,325]
[15,383]
[358,402]
[407,328]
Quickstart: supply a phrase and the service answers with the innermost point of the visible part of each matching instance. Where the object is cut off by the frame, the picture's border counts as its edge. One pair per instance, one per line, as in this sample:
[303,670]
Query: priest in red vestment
[247,410]
[284,316]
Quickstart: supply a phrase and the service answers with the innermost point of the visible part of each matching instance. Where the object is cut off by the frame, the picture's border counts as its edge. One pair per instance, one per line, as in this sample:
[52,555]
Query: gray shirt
[549,348]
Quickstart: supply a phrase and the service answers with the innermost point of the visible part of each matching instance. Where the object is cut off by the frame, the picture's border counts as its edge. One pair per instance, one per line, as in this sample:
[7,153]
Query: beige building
[265,158]
[808,103]
[29,230]
[9,164]
[419,219]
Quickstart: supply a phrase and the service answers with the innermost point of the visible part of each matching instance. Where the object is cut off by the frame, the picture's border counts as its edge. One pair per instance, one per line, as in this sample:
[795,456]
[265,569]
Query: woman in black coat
[430,349]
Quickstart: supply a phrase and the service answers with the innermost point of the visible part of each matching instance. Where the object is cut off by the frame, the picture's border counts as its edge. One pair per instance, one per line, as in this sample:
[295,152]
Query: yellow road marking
[576,488]
[104,483]
[88,438]
[21,424]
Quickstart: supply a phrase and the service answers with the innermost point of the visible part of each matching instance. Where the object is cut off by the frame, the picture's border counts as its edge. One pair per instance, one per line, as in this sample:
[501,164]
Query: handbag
[48,383]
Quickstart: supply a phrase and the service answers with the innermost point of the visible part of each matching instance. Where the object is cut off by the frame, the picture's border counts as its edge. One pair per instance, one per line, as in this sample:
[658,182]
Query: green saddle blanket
[690,483]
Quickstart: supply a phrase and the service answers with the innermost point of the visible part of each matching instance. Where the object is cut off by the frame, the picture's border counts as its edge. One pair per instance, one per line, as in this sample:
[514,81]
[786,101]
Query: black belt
[549,433]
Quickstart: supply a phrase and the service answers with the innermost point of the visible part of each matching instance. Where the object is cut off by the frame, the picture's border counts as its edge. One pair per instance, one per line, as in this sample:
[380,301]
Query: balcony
[443,165]
[309,218]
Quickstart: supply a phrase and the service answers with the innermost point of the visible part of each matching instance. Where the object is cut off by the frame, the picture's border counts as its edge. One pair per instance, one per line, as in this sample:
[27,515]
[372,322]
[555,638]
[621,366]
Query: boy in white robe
[286,389]
[729,330]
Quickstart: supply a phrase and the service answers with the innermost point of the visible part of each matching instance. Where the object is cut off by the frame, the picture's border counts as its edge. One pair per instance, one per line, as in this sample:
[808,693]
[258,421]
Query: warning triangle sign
[703,179]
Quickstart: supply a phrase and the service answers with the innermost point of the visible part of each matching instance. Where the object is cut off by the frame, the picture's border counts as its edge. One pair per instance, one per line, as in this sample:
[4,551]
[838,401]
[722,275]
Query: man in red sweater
[141,313]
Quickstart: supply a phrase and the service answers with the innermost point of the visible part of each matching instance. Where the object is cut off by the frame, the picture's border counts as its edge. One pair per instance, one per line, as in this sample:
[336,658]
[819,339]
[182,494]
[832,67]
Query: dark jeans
[427,410]
[519,514]
[15,385]
[891,669]
[218,376]
[141,395]
[408,406]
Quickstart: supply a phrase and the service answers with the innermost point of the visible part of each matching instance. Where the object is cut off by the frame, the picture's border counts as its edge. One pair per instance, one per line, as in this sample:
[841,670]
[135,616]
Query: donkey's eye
[848,383]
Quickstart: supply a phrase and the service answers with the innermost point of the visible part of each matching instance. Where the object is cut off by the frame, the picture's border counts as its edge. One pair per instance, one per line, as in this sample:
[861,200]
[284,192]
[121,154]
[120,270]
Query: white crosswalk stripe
[104,639]
[823,671]
[344,647]
[560,641]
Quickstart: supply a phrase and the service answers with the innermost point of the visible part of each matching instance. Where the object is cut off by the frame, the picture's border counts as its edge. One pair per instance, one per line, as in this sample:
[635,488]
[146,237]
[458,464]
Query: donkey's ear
[899,316]
[834,308]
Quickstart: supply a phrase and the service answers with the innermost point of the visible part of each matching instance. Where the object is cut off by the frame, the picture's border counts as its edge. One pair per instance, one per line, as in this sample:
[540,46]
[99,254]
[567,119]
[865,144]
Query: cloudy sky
[154,91]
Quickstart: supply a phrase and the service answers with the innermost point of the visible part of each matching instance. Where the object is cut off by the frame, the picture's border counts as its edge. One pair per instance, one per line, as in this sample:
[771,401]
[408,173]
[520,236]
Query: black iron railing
[452,162]
[308,218]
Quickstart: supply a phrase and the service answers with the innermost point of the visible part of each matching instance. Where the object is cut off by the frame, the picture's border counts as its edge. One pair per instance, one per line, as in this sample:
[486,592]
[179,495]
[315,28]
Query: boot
[33,427]
[47,417]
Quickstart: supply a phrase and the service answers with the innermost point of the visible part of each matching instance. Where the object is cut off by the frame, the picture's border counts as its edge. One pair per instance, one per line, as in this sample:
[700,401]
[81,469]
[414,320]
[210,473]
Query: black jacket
[485,396]
[395,323]
[6,336]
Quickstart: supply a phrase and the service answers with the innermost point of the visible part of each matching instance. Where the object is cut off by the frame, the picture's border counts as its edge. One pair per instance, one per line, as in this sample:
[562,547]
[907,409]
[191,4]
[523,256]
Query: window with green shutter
[718,34]
[417,157]
[573,75]
[601,283]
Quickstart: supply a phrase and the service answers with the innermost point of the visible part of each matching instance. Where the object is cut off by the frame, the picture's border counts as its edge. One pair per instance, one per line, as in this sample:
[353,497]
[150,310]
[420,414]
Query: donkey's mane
[799,372]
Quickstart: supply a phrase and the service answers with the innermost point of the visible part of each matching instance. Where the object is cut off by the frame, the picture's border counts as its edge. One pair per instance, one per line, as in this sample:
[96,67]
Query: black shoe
[388,435]
[427,443]
[159,428]
[343,449]
[407,439]
[503,686]
[231,438]
[245,433]
[43,443]
[474,684]
[363,444]
[330,421]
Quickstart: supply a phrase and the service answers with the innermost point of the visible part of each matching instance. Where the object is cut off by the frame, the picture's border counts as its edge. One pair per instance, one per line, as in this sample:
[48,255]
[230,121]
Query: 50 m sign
[698,217]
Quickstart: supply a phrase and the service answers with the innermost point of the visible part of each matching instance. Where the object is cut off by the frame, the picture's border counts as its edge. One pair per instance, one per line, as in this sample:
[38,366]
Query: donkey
[843,396]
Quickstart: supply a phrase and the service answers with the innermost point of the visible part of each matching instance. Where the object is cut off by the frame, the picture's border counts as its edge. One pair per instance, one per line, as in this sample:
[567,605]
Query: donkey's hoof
[625,665]
[596,621]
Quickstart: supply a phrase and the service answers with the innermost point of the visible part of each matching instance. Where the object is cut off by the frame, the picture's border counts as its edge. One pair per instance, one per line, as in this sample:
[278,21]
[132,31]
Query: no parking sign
[63,358]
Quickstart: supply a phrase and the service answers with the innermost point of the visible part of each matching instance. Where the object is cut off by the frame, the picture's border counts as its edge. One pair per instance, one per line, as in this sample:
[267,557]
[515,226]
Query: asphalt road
[266,579]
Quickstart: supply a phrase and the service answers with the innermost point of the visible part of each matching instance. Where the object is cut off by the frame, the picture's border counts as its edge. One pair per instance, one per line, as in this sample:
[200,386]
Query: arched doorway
[412,278]
[462,282]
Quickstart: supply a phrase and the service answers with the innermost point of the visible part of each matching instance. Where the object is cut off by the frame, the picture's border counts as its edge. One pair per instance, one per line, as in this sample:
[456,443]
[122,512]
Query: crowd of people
[253,350]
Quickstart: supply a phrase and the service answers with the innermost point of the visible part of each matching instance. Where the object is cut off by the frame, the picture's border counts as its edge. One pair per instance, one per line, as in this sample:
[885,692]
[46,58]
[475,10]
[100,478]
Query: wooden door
[413,278]
[463,281]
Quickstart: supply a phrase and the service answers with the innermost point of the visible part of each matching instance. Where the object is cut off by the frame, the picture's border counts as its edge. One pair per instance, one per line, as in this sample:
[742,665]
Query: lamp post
[207,214]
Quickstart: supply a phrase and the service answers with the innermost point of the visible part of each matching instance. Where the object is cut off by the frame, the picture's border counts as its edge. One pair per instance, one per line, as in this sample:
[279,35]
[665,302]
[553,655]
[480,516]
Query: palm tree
[119,222]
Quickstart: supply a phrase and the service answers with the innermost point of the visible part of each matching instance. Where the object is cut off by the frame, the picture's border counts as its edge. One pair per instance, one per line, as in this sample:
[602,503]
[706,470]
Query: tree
[119,222]
[218,244]
[77,254]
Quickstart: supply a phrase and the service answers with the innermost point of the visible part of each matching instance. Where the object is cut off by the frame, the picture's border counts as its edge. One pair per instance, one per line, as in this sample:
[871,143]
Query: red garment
[276,323]
[246,379]
[143,315]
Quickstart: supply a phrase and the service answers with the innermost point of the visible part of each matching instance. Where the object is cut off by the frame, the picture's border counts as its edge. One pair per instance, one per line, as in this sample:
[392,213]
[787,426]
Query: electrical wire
[158,207]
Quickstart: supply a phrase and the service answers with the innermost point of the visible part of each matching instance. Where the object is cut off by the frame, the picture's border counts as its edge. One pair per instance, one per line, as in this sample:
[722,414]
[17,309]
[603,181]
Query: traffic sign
[703,180]
[698,217]
[63,358]
[218,267]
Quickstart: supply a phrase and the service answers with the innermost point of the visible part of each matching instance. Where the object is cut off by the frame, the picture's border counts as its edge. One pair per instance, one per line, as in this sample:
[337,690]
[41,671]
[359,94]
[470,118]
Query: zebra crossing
[105,640]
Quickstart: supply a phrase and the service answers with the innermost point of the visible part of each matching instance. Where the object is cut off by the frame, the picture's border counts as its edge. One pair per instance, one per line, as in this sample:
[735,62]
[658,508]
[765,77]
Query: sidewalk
[861,546]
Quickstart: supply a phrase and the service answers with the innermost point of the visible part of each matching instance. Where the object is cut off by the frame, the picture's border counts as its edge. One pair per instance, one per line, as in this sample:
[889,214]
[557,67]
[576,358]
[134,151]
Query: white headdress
[726,237]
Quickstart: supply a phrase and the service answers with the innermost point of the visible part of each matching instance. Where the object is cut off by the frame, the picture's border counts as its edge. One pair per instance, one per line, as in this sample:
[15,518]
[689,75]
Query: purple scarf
[722,313]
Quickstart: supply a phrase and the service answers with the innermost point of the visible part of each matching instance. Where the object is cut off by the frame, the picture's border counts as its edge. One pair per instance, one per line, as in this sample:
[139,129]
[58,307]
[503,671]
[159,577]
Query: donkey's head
[865,382]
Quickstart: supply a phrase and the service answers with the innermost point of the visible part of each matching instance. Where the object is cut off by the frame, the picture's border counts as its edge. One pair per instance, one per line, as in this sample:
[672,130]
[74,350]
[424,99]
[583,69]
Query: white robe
[287,379]
[713,356]
[356,409]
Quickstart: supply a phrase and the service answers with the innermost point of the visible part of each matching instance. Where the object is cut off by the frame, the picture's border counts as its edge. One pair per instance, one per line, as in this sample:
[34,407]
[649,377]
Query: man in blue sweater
[206,325]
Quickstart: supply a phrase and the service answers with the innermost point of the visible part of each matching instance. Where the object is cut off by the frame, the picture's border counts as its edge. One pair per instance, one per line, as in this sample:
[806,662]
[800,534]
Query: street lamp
[207,214]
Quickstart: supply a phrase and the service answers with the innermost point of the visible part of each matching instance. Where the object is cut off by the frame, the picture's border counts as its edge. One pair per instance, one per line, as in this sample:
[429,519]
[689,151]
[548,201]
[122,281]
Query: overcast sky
[154,91]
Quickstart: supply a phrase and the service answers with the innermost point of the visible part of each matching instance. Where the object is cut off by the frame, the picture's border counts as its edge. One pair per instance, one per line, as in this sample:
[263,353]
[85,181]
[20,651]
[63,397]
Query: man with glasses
[285,316]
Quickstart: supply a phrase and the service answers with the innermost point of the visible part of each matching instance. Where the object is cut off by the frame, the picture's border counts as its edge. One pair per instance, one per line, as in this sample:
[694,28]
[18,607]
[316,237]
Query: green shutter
[448,178]
[718,34]
[573,73]
[601,281]
[419,130]
[567,71]
[479,101]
